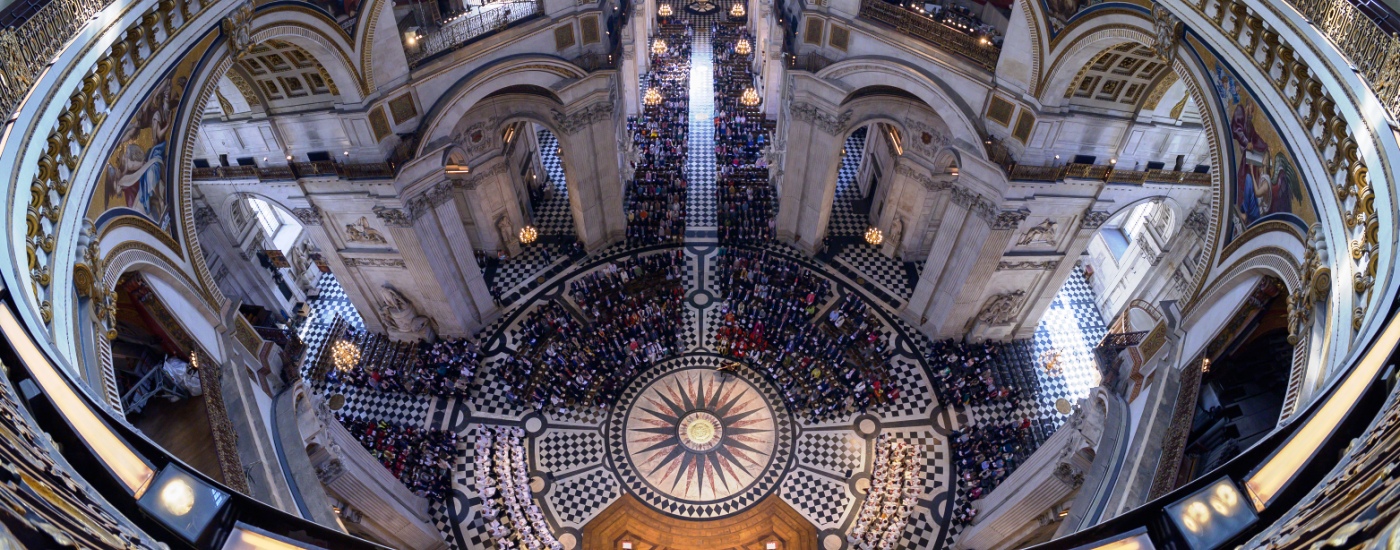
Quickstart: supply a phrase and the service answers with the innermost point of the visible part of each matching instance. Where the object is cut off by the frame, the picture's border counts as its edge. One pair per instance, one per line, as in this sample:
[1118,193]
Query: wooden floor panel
[629,520]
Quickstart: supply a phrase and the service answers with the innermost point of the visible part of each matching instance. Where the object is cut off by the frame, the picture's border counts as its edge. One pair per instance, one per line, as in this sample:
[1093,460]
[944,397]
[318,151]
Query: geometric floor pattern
[845,222]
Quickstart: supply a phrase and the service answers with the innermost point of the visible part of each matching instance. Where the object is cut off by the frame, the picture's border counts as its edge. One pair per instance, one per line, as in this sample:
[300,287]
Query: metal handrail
[464,28]
[982,52]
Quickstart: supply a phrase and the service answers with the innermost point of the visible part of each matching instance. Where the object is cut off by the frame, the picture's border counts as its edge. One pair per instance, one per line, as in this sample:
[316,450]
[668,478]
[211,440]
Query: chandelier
[653,97]
[345,355]
[750,97]
[874,236]
[664,10]
[737,10]
[658,47]
[528,234]
[743,47]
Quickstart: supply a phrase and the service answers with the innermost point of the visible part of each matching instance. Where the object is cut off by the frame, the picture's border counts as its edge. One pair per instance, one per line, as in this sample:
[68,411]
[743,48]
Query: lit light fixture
[289,158]
[345,355]
[528,234]
[664,10]
[185,504]
[750,97]
[1212,515]
[737,10]
[653,97]
[743,47]
[874,236]
[194,361]
[658,47]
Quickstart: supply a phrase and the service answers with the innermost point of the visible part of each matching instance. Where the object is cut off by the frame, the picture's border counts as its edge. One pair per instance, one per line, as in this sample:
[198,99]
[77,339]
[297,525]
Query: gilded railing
[1374,54]
[25,50]
[460,30]
[920,26]
[352,171]
[1021,172]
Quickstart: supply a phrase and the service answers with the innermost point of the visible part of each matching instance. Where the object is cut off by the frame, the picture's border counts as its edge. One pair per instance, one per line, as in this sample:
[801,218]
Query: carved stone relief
[1042,233]
[361,232]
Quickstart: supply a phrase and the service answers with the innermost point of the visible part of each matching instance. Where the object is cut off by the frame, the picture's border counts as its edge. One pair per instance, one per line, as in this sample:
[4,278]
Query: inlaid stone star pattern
[700,434]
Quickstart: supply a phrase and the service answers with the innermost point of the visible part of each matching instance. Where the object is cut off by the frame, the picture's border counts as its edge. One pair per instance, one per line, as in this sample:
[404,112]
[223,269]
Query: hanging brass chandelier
[743,47]
[345,355]
[528,234]
[737,10]
[750,97]
[664,10]
[874,236]
[652,97]
[658,47]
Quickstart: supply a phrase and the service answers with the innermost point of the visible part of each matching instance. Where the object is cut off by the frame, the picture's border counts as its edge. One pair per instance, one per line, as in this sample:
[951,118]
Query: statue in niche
[1040,234]
[361,232]
[896,237]
[399,314]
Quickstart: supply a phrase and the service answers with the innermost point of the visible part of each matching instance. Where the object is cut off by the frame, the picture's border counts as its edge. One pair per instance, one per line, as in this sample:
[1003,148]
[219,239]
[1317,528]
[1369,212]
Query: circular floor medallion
[694,442]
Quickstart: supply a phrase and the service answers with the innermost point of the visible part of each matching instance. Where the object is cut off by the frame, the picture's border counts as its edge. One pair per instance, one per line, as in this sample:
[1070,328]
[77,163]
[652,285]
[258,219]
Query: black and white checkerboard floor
[553,216]
[896,277]
[845,222]
[700,161]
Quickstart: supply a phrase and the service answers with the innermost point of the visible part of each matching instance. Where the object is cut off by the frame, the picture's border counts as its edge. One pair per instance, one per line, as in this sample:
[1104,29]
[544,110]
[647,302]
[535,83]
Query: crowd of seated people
[826,366]
[512,518]
[633,317]
[745,198]
[656,194]
[420,458]
[445,368]
[963,375]
[987,454]
[895,487]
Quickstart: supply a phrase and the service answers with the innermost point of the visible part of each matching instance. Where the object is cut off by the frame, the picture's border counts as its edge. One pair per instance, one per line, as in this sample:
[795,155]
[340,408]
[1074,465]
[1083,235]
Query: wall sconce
[182,503]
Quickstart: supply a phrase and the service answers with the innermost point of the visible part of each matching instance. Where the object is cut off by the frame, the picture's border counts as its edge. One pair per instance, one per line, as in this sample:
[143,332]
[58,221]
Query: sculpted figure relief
[1040,234]
[1001,308]
[398,313]
[361,232]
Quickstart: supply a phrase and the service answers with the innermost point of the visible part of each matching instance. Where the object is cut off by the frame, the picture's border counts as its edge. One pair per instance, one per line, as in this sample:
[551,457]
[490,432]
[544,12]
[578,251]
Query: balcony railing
[1022,172]
[350,171]
[1374,53]
[936,33]
[463,29]
[34,34]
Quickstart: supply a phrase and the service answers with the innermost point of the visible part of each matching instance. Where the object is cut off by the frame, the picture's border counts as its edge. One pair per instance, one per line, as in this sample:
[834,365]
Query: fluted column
[1003,228]
[588,138]
[461,251]
[434,284]
[944,240]
[811,157]
[972,239]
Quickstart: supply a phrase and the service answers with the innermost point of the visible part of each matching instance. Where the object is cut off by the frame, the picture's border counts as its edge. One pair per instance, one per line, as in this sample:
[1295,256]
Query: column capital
[1010,219]
[310,215]
[831,123]
[394,217]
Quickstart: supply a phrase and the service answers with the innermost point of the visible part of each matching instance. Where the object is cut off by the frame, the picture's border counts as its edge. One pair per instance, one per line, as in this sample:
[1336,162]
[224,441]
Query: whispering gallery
[699,274]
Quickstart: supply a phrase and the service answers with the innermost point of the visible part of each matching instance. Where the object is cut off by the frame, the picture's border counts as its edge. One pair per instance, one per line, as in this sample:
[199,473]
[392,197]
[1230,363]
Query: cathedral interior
[700,274]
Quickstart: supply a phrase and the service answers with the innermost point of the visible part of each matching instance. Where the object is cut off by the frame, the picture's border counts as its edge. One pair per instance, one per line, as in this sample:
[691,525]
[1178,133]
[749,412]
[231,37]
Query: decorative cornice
[375,262]
[1046,265]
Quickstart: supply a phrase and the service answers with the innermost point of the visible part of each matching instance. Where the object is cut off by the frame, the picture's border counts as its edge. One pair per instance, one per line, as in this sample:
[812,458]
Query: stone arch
[1083,47]
[537,71]
[867,72]
[329,47]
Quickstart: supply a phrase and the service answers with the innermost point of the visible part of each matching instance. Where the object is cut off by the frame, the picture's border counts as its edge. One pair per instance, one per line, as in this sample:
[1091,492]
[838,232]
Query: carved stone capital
[393,217]
[238,27]
[1010,219]
[831,123]
[1093,219]
[308,216]
[573,122]
[204,216]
